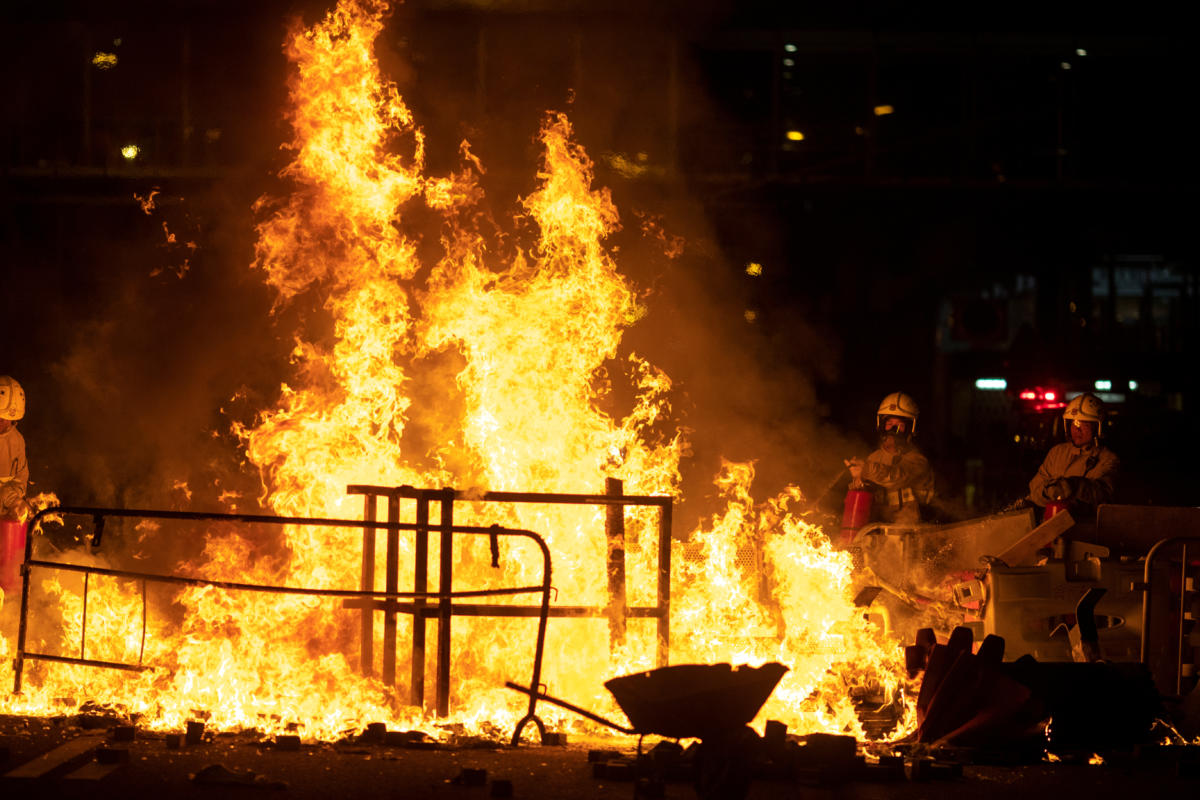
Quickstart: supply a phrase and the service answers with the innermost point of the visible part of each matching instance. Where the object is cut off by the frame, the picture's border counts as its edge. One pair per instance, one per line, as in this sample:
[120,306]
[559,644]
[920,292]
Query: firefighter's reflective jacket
[14,470]
[1083,476]
[903,483]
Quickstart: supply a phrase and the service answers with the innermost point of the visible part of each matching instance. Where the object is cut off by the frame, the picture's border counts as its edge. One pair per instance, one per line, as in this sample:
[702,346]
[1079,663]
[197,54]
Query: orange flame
[478,371]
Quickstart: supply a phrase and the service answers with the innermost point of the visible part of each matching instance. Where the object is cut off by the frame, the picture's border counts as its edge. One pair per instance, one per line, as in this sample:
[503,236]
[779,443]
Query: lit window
[130,151]
[1133,386]
[754,268]
[1103,386]
[789,48]
[1065,65]
[991,384]
[1079,51]
[104,60]
[789,62]
[750,314]
[883,111]
[795,136]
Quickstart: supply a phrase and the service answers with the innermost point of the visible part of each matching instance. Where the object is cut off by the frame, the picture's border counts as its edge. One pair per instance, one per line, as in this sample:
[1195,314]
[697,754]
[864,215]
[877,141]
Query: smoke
[747,390]
[133,394]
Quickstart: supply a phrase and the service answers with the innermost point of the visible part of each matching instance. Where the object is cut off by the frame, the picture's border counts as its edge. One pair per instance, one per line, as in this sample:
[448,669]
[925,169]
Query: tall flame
[490,368]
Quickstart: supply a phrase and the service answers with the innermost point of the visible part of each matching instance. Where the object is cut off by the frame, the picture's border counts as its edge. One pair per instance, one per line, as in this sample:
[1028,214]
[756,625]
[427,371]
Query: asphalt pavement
[60,757]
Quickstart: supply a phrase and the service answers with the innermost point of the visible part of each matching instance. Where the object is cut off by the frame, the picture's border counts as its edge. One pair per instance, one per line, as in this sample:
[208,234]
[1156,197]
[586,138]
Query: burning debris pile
[489,367]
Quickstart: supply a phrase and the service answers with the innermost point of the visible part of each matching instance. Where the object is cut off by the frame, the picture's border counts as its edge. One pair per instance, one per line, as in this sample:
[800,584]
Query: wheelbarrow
[710,702]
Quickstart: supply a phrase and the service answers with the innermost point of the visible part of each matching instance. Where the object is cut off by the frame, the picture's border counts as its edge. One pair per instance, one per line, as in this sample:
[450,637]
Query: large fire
[532,334]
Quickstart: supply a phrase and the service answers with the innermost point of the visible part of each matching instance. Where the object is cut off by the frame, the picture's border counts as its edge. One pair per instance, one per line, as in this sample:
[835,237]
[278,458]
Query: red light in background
[1042,399]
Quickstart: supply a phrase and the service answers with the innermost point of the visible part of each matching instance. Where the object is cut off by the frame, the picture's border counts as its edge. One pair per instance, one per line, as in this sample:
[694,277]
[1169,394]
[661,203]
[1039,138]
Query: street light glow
[104,60]
[130,151]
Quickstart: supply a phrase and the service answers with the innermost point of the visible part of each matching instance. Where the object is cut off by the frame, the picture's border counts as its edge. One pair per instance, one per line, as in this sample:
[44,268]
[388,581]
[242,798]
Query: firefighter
[14,470]
[1080,471]
[900,474]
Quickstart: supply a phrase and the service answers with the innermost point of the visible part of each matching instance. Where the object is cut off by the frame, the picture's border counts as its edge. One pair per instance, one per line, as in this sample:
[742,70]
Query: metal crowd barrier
[616,610]
[367,595]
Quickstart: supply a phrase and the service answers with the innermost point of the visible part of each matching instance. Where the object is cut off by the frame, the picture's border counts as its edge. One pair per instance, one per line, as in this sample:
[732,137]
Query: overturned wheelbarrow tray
[683,701]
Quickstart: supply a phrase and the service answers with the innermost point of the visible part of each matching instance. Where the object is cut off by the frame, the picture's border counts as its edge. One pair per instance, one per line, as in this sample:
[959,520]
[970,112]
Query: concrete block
[195,733]
[123,733]
[287,741]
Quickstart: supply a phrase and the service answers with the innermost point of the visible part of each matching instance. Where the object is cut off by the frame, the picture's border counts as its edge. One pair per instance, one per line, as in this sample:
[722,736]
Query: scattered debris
[975,699]
[374,733]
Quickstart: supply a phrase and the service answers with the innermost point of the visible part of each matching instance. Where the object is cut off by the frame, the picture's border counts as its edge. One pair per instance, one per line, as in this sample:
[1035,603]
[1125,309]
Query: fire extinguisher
[12,553]
[1052,508]
[856,513]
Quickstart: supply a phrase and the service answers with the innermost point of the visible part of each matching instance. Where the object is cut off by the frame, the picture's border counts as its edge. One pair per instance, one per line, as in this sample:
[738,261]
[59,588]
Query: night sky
[935,196]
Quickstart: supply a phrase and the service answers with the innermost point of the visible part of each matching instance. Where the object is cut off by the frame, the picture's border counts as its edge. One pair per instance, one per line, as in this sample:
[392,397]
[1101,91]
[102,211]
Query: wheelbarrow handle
[570,707]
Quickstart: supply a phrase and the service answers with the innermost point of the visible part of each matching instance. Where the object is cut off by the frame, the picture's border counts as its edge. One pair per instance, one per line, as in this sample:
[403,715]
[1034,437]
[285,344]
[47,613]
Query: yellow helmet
[898,404]
[1084,408]
[12,399]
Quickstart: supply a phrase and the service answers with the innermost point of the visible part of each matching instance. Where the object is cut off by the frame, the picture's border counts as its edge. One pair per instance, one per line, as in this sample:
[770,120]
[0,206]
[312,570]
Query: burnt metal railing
[1188,593]
[444,595]
[617,611]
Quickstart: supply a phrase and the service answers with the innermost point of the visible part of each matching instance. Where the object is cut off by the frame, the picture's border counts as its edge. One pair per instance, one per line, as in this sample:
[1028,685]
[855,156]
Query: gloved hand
[855,466]
[10,497]
[1061,489]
